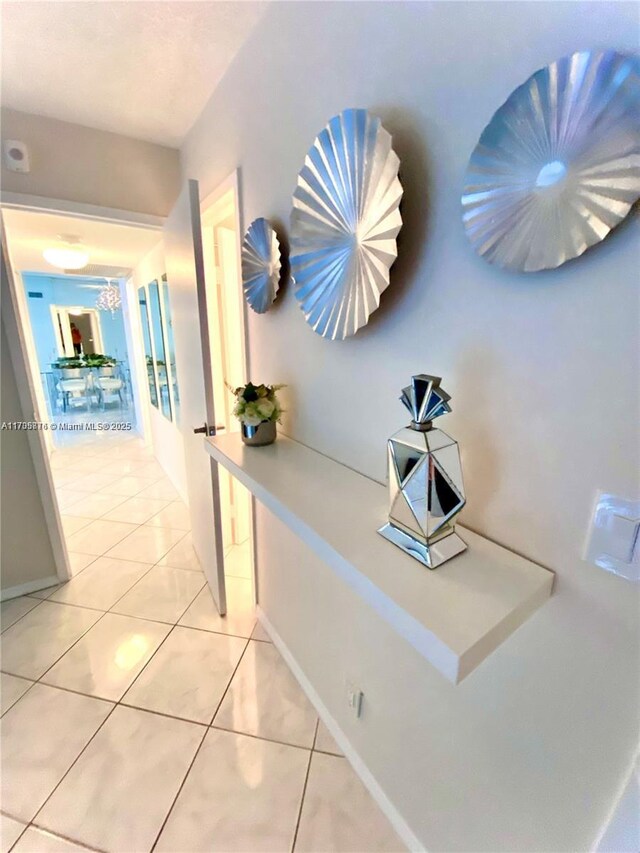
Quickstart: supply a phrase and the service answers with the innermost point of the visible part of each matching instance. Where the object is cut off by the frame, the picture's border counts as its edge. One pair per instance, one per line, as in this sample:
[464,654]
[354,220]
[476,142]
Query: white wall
[163,435]
[75,163]
[530,751]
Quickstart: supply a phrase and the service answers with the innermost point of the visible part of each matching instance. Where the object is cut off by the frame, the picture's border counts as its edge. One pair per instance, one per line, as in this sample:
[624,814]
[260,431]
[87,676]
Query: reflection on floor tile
[11,689]
[163,594]
[127,486]
[38,841]
[175,515]
[238,561]
[147,544]
[106,661]
[161,489]
[241,794]
[240,619]
[119,792]
[10,831]
[14,609]
[101,585]
[36,642]
[98,536]
[325,741]
[95,506]
[188,675]
[136,510]
[260,634]
[42,735]
[265,700]
[339,814]
[182,556]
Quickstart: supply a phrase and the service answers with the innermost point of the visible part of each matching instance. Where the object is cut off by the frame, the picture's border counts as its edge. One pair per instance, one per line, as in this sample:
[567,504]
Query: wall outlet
[355,697]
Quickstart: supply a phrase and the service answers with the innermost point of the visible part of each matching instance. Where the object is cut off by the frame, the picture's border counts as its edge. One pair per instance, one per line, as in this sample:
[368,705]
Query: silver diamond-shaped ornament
[425,479]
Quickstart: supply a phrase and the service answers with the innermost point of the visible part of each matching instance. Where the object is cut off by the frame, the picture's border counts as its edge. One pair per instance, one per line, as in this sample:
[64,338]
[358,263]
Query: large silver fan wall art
[344,223]
[261,265]
[558,165]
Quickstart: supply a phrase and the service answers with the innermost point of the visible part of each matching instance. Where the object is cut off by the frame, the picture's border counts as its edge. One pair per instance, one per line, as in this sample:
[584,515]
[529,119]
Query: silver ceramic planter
[259,436]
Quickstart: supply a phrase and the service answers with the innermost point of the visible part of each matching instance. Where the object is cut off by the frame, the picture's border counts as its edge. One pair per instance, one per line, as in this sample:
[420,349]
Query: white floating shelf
[455,615]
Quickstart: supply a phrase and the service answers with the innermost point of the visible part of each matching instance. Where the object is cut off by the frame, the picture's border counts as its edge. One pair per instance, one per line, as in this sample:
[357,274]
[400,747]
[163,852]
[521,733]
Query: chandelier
[109,298]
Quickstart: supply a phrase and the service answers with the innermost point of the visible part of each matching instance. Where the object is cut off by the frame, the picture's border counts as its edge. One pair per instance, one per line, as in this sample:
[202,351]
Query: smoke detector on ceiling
[16,156]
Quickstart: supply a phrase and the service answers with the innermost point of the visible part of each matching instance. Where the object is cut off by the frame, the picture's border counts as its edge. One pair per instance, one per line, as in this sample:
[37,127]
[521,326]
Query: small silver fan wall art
[558,165]
[344,223]
[261,265]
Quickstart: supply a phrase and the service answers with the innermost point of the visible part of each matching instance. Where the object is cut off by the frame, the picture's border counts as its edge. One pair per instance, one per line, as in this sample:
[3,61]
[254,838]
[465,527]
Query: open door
[185,272]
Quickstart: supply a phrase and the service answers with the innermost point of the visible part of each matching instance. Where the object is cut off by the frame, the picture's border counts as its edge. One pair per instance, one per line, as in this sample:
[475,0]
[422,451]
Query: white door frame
[65,347]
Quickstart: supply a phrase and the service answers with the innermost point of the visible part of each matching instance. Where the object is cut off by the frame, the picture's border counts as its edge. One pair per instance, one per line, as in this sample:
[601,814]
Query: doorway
[221,248]
[77,330]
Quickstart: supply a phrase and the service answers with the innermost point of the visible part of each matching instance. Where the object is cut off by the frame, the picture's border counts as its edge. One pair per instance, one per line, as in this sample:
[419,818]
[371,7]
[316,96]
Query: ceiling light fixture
[67,254]
[109,298]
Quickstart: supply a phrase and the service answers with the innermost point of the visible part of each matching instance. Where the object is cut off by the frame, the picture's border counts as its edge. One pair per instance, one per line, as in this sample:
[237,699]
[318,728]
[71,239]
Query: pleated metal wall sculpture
[261,264]
[344,224]
[558,166]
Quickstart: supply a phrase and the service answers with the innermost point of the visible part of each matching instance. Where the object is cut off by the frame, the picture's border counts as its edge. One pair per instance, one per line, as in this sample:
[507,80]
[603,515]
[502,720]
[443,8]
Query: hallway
[166,726]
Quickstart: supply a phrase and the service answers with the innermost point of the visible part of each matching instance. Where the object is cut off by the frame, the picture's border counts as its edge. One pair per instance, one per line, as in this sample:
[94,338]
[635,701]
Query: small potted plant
[258,410]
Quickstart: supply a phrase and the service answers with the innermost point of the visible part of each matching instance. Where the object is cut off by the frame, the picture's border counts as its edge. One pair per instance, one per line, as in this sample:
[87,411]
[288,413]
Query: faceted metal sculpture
[558,166]
[344,224]
[261,265]
[425,479]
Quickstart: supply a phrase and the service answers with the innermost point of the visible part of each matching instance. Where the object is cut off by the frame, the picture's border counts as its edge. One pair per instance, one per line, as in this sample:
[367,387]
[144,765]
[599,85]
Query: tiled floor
[135,718]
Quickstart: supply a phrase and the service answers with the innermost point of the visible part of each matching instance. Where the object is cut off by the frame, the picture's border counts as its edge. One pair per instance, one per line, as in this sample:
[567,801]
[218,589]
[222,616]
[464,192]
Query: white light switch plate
[614,540]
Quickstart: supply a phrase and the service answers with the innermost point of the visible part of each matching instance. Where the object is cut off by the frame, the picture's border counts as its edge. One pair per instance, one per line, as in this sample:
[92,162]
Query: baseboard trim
[360,768]
[31,586]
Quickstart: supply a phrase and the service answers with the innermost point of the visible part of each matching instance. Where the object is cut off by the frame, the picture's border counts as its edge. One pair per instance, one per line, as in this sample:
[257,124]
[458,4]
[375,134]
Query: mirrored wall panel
[148,349]
[171,347]
[160,348]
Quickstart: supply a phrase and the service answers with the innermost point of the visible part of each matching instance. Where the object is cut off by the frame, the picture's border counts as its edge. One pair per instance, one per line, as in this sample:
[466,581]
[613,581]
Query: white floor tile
[66,497]
[175,515]
[163,594]
[265,700]
[38,841]
[151,469]
[136,510]
[99,536]
[95,506]
[78,561]
[10,831]
[260,634]
[161,489]
[182,556]
[146,544]
[325,741]
[238,562]
[242,794]
[188,675]
[101,585]
[119,792]
[339,814]
[36,642]
[11,689]
[240,619]
[72,523]
[96,481]
[106,661]
[14,609]
[42,735]
[127,486]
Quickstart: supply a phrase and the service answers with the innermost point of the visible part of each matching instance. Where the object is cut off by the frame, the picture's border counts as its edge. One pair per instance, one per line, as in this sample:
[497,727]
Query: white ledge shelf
[455,616]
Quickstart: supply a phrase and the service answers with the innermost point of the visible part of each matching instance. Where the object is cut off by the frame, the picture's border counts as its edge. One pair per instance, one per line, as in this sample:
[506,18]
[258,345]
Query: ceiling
[108,244]
[142,69]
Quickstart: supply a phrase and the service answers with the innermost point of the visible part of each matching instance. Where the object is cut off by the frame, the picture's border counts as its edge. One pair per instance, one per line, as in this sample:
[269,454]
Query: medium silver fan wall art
[261,265]
[344,223]
[558,165]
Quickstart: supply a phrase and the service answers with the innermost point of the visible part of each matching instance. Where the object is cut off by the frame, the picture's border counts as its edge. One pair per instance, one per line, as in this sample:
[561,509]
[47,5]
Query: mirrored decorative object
[558,165]
[344,224]
[157,331]
[261,265]
[171,349]
[425,479]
